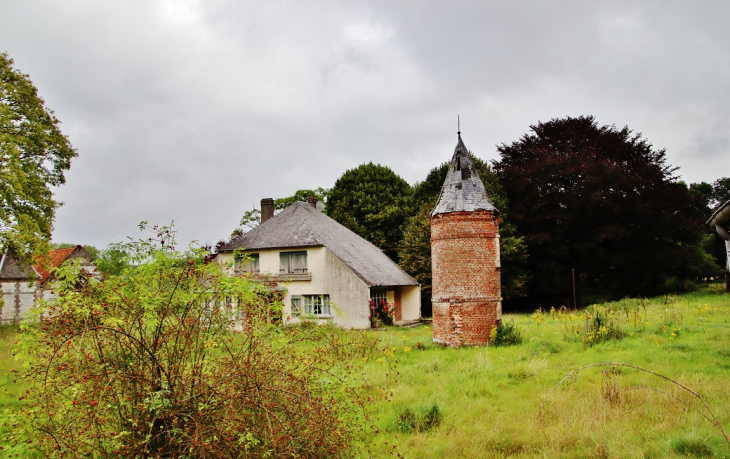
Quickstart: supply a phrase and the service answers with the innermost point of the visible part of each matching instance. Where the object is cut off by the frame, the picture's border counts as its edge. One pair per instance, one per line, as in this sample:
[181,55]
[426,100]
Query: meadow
[541,398]
[510,402]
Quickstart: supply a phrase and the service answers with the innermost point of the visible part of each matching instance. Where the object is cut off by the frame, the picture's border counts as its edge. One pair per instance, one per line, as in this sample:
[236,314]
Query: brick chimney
[312,201]
[267,209]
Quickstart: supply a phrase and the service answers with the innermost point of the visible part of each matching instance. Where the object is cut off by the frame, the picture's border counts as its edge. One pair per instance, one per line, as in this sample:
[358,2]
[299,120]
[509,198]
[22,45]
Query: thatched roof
[463,190]
[301,225]
[14,267]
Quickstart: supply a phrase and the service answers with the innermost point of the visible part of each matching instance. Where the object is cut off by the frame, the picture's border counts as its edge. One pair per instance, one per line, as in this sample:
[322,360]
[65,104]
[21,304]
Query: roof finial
[458,125]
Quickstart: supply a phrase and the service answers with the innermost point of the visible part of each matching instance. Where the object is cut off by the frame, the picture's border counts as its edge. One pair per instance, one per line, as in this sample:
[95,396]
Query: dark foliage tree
[602,201]
[720,192]
[374,202]
[712,195]
[35,155]
[415,250]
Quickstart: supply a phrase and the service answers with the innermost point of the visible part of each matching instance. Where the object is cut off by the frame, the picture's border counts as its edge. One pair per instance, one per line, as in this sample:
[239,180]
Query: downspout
[721,220]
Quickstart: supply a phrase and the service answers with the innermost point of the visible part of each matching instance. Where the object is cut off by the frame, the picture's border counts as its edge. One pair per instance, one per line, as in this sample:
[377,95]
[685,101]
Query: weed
[505,334]
[689,446]
[426,419]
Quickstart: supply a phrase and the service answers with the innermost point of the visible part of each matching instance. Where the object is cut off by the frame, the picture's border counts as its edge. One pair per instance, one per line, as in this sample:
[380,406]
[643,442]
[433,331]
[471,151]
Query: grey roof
[14,267]
[301,225]
[463,190]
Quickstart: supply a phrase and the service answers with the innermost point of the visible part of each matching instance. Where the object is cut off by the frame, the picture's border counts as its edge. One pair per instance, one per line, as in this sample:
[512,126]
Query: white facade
[327,277]
[18,296]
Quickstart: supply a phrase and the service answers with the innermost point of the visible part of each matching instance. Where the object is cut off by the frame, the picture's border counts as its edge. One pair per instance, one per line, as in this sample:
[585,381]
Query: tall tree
[374,202]
[712,195]
[602,201]
[34,155]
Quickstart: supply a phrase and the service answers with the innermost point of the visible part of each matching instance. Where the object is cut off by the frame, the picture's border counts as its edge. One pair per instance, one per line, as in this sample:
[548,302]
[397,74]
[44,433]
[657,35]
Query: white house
[328,272]
[20,284]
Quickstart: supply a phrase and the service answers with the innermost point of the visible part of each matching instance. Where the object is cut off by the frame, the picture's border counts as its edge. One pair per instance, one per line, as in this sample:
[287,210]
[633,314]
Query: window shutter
[283,262]
[296,305]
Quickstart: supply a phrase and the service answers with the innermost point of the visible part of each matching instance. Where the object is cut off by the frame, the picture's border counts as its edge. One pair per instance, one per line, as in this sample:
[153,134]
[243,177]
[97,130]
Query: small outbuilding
[24,284]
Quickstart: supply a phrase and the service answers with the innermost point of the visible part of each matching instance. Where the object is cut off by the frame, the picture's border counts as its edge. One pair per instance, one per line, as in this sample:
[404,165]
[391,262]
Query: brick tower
[467,292]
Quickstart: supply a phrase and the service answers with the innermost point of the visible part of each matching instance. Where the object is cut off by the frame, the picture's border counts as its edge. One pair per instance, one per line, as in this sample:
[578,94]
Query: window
[378,294]
[317,305]
[247,263]
[293,262]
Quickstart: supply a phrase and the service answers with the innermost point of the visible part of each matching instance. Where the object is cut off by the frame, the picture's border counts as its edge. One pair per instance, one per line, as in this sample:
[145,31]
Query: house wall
[327,275]
[410,302]
[18,297]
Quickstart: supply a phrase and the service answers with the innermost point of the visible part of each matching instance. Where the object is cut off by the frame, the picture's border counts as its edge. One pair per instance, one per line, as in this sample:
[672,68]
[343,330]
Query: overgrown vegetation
[486,401]
[147,364]
[505,334]
[489,397]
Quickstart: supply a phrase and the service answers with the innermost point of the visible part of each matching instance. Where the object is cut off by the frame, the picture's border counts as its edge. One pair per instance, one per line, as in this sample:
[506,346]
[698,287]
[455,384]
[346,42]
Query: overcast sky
[195,110]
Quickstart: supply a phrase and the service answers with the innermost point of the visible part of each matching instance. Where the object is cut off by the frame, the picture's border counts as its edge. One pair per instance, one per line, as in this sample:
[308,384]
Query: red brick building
[467,292]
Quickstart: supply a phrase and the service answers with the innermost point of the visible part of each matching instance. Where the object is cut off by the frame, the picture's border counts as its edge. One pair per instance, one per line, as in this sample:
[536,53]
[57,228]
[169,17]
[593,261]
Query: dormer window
[458,164]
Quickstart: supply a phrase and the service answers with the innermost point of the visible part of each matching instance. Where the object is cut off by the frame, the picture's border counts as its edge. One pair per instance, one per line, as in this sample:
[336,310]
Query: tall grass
[489,398]
[437,402]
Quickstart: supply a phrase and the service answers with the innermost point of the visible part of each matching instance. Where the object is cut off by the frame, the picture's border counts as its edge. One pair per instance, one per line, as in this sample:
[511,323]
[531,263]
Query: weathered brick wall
[467,300]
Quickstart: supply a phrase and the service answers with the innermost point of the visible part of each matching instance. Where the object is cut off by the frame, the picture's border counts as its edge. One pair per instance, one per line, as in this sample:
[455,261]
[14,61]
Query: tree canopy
[604,202]
[34,155]
[374,202]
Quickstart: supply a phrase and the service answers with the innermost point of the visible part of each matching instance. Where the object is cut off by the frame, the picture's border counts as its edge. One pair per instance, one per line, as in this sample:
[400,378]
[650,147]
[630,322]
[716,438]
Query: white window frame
[379,293]
[316,305]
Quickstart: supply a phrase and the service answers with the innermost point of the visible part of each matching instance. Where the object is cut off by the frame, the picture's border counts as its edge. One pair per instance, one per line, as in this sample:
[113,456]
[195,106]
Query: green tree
[602,201]
[712,195]
[147,364]
[720,192]
[374,202]
[415,250]
[34,155]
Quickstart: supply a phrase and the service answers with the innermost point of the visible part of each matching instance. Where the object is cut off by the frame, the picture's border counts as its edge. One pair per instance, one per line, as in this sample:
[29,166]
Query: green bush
[428,418]
[505,334]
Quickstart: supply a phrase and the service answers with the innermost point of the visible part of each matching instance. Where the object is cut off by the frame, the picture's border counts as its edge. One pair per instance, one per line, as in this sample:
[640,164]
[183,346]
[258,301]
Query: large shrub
[146,364]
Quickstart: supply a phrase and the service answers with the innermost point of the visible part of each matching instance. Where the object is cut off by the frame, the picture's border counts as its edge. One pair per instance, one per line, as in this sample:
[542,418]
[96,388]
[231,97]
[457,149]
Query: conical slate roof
[463,190]
[301,225]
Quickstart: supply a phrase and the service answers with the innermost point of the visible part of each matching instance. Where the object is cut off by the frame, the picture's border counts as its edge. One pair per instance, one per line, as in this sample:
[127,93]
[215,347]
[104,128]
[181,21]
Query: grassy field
[490,398]
[436,402]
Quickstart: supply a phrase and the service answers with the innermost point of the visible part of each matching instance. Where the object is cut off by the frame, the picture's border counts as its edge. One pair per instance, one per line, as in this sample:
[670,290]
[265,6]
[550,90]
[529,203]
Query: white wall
[410,302]
[348,294]
[18,298]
